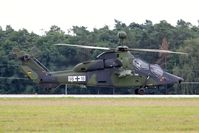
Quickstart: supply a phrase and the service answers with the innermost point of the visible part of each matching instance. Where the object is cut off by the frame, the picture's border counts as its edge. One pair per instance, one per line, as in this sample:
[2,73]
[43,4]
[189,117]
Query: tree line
[182,37]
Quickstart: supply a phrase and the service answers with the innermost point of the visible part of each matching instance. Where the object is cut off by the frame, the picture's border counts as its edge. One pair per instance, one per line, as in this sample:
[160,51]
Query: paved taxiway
[99,96]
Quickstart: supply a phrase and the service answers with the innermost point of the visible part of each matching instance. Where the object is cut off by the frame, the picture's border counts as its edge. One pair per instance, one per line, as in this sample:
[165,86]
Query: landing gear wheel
[139,91]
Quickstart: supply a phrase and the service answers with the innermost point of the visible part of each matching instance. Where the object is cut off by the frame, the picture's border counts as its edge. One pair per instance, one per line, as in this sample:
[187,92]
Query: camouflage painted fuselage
[110,69]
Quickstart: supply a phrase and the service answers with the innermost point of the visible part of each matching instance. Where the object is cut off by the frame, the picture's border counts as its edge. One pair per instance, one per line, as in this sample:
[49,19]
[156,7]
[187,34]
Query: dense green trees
[183,37]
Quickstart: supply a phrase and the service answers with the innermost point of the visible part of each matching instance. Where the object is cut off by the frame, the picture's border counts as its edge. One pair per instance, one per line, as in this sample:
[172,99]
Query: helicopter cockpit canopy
[156,70]
[107,55]
[143,66]
[97,65]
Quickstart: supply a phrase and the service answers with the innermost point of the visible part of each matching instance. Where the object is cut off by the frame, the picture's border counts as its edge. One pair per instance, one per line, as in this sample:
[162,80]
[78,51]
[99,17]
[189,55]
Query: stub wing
[124,73]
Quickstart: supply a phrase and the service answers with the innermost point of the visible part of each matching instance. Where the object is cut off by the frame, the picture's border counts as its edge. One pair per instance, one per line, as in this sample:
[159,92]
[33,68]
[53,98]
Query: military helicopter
[116,67]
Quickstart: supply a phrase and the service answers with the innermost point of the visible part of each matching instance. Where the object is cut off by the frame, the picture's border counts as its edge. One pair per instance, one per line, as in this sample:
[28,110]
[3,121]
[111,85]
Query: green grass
[73,115]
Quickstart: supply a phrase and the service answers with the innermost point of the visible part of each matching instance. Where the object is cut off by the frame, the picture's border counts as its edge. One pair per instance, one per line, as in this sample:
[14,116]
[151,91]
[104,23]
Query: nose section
[171,79]
[180,79]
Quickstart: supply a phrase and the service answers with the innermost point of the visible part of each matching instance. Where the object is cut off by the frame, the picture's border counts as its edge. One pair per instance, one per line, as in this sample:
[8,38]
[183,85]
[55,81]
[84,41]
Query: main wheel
[139,91]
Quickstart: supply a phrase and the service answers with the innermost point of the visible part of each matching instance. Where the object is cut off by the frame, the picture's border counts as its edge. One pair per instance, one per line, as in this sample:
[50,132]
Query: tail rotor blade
[35,51]
[17,53]
[12,78]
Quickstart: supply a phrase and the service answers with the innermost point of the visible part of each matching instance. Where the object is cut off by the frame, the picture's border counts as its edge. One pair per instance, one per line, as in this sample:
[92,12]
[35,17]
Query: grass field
[102,115]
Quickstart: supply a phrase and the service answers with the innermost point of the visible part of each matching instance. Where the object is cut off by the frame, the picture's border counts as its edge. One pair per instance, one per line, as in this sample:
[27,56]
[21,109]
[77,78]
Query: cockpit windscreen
[157,70]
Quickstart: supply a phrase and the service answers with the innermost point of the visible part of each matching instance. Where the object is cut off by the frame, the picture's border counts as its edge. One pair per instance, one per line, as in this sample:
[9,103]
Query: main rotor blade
[83,46]
[156,50]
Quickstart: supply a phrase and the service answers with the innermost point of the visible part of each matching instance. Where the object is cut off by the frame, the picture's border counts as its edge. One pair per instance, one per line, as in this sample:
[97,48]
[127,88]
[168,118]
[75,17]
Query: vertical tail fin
[36,71]
[30,65]
[32,68]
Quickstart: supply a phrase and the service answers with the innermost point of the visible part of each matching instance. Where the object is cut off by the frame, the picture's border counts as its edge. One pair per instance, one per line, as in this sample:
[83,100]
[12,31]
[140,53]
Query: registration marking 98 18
[76,78]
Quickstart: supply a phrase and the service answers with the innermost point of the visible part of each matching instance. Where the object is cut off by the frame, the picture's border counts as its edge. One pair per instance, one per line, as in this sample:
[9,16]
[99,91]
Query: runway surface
[99,96]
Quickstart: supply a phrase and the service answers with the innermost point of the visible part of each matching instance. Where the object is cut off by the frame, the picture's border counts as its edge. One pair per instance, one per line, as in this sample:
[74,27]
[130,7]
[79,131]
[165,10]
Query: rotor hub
[122,48]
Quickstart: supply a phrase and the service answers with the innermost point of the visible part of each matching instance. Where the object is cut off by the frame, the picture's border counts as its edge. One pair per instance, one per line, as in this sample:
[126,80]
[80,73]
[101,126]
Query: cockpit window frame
[107,55]
[140,64]
[157,70]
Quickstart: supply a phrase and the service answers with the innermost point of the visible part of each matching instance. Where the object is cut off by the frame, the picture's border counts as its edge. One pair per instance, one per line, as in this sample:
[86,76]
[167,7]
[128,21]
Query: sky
[39,15]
